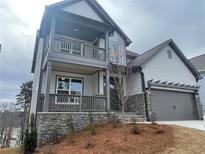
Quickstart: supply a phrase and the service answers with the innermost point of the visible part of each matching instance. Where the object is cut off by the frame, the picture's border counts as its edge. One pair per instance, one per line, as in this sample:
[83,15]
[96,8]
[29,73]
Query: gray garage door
[171,105]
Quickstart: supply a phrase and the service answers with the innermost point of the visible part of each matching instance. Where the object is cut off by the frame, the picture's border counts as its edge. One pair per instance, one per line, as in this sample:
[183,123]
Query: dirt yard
[108,140]
[187,141]
[153,139]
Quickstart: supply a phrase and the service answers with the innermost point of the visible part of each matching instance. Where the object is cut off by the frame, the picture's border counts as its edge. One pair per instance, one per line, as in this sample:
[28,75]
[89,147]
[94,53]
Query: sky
[146,22]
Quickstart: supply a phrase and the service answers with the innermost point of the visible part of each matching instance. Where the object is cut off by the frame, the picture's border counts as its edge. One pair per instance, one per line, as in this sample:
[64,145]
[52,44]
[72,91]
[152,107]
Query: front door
[114,99]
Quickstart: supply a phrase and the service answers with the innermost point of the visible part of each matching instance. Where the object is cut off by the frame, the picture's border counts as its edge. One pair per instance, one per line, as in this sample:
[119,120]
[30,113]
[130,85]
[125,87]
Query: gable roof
[97,8]
[140,60]
[146,56]
[132,53]
[199,62]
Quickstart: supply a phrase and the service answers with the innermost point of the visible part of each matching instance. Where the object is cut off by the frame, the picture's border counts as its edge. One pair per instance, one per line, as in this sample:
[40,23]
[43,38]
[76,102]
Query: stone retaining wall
[50,121]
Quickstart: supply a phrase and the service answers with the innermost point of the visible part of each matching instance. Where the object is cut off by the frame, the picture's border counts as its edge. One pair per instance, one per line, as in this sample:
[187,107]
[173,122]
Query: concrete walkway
[197,124]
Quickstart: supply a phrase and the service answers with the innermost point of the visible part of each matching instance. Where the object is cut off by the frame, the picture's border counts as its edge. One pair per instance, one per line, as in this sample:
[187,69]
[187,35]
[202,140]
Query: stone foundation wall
[50,121]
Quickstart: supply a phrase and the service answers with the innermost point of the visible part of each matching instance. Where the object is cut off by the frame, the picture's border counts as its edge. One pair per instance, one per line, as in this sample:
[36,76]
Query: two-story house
[75,44]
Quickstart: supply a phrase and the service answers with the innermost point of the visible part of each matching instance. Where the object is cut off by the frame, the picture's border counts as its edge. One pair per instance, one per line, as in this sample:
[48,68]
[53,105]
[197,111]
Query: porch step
[128,117]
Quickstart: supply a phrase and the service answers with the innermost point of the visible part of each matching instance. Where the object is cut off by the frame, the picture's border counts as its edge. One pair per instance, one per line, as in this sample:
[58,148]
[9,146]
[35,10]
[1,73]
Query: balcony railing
[73,103]
[79,49]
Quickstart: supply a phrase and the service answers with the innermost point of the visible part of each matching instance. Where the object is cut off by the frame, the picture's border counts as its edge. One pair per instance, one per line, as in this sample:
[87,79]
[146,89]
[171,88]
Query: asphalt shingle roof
[132,53]
[148,54]
[198,62]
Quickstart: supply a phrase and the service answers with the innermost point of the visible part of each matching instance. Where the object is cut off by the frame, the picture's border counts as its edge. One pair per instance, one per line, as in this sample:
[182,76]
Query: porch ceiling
[74,68]
[76,30]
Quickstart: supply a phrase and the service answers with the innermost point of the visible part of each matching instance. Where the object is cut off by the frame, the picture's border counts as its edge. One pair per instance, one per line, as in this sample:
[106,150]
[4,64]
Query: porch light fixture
[76,30]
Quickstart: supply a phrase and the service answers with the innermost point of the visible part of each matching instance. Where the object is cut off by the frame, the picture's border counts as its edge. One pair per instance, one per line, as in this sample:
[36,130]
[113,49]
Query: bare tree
[8,122]
[120,76]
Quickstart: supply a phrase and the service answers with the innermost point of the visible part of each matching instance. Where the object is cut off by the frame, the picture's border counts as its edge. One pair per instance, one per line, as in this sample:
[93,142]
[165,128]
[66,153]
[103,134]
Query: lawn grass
[15,150]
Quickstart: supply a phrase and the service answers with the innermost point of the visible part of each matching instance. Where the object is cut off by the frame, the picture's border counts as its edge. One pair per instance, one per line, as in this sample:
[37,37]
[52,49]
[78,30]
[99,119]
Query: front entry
[114,99]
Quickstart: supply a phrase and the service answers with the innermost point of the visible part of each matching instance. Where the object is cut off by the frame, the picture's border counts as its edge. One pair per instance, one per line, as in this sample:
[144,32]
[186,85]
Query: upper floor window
[169,54]
[114,51]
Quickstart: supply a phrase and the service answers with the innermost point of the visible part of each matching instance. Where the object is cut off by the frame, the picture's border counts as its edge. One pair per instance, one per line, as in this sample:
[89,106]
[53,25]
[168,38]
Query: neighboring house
[75,44]
[199,64]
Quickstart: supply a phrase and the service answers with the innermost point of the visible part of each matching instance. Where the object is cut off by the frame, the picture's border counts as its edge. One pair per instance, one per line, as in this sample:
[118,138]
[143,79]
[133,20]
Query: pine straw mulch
[154,138]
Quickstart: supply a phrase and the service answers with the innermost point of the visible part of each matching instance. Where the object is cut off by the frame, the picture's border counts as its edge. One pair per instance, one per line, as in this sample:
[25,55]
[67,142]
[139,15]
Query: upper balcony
[78,49]
[76,40]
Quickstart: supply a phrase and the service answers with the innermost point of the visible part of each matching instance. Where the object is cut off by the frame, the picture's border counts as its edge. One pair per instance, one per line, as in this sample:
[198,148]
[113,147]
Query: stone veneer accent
[199,107]
[136,104]
[151,115]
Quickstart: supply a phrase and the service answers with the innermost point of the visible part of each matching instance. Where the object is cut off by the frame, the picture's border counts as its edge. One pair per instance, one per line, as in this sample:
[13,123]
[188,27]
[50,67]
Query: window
[68,86]
[169,53]
[76,87]
[114,51]
[114,56]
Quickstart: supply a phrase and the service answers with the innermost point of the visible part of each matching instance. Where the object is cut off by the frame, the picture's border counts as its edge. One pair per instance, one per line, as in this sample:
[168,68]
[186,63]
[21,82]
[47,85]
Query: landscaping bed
[163,139]
[109,138]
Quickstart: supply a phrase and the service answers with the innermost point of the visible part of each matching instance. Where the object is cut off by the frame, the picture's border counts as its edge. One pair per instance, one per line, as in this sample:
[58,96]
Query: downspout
[145,94]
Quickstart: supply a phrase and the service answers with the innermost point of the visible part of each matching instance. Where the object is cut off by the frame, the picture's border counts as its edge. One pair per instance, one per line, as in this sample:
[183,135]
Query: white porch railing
[73,103]
[79,49]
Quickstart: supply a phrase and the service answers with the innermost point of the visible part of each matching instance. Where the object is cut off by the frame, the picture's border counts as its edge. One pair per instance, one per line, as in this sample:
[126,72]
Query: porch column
[108,89]
[47,85]
[107,46]
[52,34]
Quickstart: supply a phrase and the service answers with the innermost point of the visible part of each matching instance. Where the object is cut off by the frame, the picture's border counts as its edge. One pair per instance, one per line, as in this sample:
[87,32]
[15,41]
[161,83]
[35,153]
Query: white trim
[172,89]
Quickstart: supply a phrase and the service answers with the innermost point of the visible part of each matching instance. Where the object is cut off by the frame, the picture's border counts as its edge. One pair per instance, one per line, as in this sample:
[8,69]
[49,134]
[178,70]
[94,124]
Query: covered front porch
[74,88]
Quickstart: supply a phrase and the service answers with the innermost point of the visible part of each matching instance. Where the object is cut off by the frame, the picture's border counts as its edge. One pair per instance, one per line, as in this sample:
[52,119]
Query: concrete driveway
[197,124]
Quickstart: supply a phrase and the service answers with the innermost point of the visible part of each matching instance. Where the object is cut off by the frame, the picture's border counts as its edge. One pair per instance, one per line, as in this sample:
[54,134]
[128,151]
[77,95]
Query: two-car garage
[173,105]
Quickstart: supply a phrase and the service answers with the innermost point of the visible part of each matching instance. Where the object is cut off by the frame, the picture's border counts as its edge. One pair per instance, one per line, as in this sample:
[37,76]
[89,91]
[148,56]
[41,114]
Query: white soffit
[82,8]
